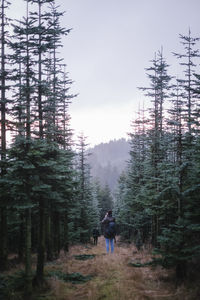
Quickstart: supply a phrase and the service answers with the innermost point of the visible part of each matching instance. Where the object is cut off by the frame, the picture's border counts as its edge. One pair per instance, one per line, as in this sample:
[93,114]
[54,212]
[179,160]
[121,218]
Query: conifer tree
[106,200]
[4,77]
[22,147]
[121,206]
[95,211]
[188,82]
[85,191]
[158,93]
[47,168]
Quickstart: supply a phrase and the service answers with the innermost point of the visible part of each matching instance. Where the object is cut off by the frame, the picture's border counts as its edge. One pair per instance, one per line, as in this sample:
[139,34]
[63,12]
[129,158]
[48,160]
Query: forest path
[112,277]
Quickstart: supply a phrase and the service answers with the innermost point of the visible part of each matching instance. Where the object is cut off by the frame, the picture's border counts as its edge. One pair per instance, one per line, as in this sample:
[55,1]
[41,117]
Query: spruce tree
[47,175]
[188,61]
[84,191]
[4,76]
[158,92]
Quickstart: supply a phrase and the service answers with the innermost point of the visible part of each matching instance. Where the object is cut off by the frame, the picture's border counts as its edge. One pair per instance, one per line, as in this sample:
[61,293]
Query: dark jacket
[105,223]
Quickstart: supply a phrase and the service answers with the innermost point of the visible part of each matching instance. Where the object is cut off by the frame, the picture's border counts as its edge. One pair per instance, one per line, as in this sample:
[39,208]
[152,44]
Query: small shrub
[75,278]
[84,256]
[11,286]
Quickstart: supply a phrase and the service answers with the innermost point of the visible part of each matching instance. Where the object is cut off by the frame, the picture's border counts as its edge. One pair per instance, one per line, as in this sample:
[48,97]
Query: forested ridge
[50,204]
[108,161]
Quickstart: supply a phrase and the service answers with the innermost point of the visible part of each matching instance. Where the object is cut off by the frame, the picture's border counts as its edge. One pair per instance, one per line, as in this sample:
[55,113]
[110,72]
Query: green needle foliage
[84,256]
[75,278]
[157,200]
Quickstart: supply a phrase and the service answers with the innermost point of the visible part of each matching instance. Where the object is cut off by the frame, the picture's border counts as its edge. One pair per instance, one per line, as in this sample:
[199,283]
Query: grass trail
[113,278]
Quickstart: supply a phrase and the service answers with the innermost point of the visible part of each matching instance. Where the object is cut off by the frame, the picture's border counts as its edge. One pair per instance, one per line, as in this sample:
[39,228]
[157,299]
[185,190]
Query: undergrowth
[84,256]
[88,273]
[11,286]
[75,278]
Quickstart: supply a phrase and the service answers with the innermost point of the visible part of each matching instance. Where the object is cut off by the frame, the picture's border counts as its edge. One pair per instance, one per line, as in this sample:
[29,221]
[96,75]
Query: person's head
[110,213]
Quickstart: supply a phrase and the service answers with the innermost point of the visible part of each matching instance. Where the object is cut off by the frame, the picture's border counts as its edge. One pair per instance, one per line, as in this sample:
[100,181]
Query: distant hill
[108,160]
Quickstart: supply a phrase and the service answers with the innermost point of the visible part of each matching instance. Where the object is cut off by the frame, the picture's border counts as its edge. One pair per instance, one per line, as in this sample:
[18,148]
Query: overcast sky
[111,44]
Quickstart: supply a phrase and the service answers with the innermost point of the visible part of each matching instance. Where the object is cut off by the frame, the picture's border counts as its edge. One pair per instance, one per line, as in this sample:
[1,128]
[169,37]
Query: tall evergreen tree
[4,75]
[45,164]
[158,93]
[188,61]
[23,56]
[85,192]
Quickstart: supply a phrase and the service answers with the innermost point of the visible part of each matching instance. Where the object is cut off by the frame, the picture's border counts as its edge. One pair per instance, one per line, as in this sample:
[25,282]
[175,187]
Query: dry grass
[113,278]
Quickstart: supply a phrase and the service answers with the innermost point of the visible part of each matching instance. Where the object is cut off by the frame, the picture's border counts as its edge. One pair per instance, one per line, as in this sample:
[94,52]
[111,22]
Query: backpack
[111,229]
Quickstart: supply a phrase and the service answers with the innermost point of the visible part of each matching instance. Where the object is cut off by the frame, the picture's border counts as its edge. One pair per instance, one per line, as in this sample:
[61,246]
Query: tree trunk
[66,237]
[28,212]
[154,230]
[41,246]
[3,212]
[56,235]
[181,271]
[3,245]
[21,239]
[28,270]
[41,241]
[49,244]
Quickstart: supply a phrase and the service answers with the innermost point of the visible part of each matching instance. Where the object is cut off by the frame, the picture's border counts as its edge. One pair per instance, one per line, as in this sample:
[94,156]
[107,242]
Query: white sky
[111,44]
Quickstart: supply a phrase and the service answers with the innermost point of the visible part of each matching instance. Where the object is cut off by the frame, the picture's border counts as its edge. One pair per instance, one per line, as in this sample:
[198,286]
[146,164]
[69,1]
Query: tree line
[158,197]
[47,199]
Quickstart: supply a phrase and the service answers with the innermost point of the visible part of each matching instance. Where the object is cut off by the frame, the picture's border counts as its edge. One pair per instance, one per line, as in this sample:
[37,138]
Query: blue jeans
[111,242]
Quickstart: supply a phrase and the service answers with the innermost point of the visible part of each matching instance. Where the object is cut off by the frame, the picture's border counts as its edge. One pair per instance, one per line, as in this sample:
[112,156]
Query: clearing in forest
[109,276]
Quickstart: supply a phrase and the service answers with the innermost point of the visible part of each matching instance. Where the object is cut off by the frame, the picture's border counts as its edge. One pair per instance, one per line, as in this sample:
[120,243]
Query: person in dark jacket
[95,234]
[109,230]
